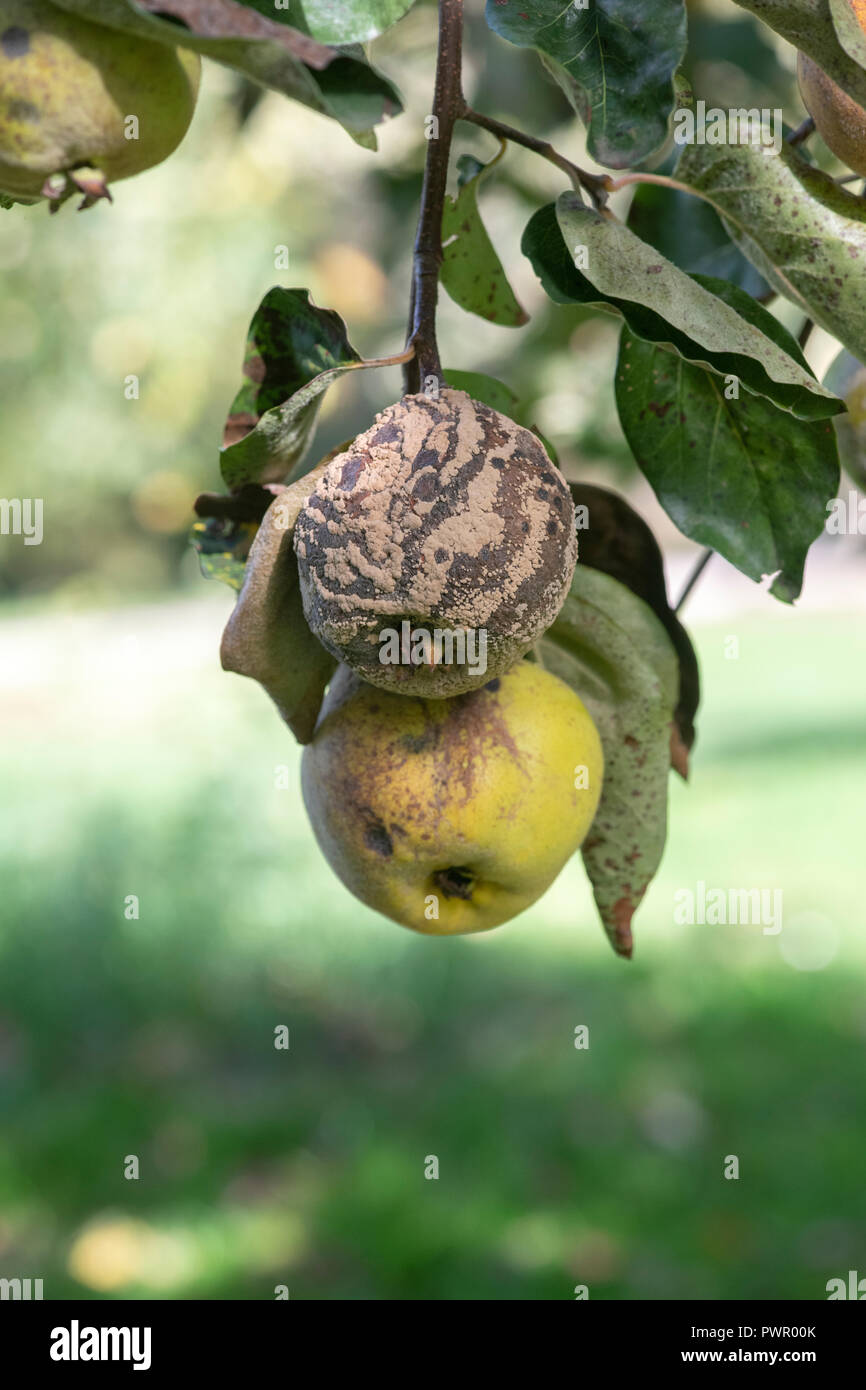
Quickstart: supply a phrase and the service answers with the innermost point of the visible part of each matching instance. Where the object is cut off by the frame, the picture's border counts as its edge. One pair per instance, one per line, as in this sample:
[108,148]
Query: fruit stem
[447,103]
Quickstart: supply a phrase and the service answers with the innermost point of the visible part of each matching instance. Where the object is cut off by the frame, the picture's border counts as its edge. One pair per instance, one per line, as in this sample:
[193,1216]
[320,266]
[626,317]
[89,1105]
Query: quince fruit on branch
[839,120]
[451,816]
[444,514]
[82,104]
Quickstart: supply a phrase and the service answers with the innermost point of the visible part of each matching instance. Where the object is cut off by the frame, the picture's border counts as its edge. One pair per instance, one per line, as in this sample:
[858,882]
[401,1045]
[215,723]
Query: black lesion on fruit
[415,744]
[426,488]
[352,469]
[15,41]
[388,434]
[377,839]
[426,458]
[455,882]
[493,685]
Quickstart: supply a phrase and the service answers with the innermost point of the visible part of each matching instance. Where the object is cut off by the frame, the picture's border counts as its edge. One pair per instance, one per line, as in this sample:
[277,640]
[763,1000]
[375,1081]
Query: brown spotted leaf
[267,637]
[614,652]
[294,351]
[684,314]
[804,232]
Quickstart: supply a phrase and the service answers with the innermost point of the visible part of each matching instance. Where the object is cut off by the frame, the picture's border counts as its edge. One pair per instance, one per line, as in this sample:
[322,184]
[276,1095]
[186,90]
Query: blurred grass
[154,1037]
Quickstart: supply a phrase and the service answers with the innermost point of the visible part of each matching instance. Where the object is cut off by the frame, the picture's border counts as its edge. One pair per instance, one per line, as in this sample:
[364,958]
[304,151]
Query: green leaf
[223,547]
[808,25]
[613,538]
[738,475]
[294,351]
[614,652]
[337,83]
[338,21]
[267,637]
[483,388]
[687,231]
[471,271]
[615,60]
[663,305]
[804,232]
[848,30]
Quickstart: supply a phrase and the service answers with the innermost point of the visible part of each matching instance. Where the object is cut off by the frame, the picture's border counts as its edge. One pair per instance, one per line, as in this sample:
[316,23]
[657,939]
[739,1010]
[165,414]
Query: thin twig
[394,360]
[447,103]
[803,131]
[693,578]
[596,185]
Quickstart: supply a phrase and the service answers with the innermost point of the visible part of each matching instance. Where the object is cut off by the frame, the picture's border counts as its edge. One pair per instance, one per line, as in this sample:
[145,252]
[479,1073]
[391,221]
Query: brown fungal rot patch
[444,512]
[476,728]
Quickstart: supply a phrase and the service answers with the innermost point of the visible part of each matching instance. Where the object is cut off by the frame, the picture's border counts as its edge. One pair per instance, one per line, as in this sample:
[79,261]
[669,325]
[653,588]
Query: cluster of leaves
[311,51]
[722,411]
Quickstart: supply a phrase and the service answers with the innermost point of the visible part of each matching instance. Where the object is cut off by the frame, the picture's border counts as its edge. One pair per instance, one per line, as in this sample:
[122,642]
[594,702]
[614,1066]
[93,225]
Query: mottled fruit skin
[447,515]
[467,807]
[67,88]
[839,120]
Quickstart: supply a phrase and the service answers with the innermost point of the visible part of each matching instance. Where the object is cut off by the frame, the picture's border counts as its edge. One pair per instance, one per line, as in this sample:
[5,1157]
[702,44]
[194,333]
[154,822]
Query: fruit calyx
[455,882]
[87,180]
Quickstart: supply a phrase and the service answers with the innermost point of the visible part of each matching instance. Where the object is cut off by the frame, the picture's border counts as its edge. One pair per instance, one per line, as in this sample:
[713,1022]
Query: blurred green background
[131,765]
